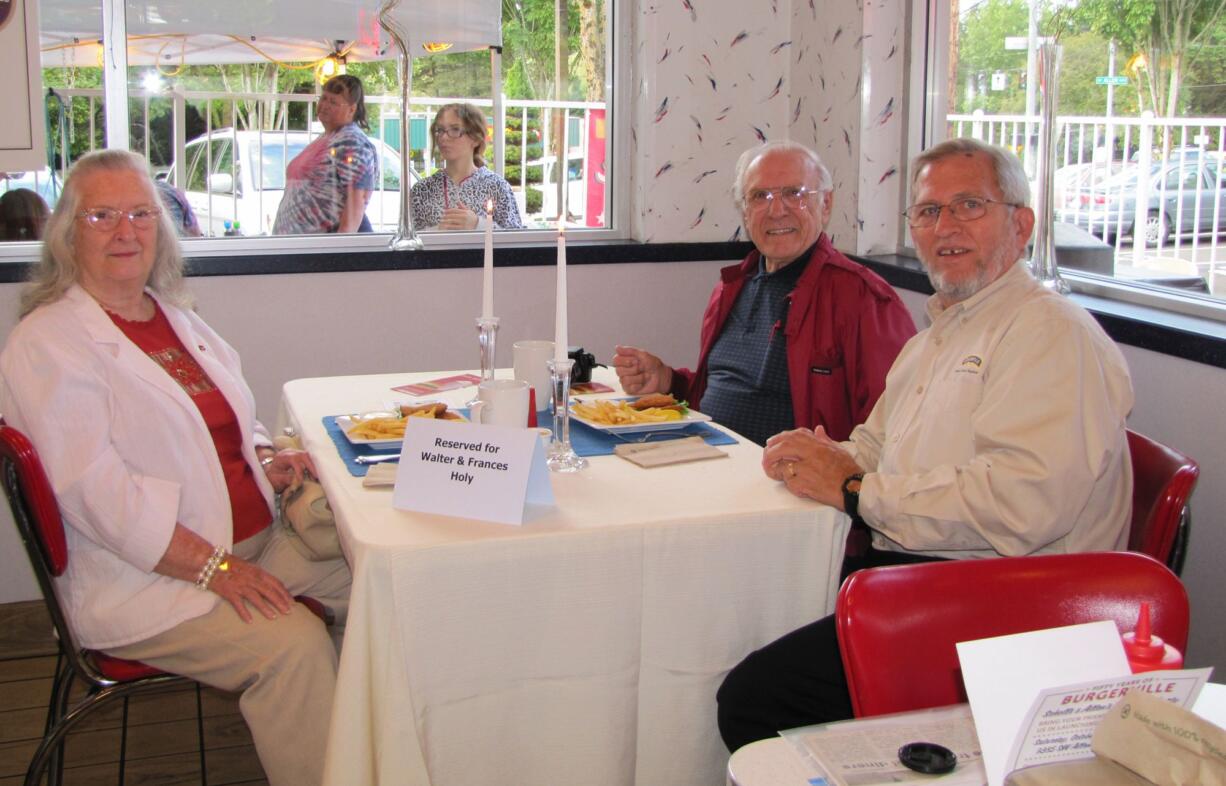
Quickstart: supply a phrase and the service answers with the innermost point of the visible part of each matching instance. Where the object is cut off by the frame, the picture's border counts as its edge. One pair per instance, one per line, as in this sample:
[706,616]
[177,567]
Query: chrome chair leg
[123,741]
[57,707]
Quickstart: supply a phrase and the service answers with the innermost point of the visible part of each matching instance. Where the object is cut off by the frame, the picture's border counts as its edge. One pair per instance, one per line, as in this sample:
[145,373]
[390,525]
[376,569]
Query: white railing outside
[269,113]
[1098,185]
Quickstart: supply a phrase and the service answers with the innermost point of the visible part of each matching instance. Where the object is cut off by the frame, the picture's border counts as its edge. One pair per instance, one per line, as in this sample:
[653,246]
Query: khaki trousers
[285,667]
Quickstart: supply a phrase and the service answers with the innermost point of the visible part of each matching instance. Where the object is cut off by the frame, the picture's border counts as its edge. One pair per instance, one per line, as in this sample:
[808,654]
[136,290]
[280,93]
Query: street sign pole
[1032,107]
[1110,141]
[1110,73]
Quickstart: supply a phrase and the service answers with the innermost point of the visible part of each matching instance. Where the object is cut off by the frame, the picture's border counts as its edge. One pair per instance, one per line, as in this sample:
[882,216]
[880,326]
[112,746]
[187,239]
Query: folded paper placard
[675,451]
[489,473]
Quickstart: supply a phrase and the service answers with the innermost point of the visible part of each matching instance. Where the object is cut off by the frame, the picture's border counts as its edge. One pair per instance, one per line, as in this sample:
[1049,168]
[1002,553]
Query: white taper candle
[560,345]
[487,281]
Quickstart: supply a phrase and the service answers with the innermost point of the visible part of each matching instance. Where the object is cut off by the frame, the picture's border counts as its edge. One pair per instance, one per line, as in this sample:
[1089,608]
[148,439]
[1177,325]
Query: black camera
[584,363]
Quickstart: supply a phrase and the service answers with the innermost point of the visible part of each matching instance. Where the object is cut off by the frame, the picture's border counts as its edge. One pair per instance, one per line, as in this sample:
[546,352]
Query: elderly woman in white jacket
[164,477]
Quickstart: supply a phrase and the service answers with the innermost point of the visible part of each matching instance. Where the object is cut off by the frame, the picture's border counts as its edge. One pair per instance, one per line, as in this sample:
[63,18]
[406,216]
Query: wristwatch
[264,462]
[851,494]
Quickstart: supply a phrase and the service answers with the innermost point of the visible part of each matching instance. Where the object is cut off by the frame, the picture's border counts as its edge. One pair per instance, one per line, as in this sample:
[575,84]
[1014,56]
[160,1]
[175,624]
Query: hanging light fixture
[434,47]
[329,67]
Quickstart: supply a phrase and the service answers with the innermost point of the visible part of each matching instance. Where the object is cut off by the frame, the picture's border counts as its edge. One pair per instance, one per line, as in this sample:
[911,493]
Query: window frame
[928,107]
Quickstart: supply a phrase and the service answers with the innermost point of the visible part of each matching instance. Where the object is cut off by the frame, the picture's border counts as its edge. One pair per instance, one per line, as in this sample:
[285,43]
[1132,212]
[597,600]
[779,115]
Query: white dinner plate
[346,422]
[691,417]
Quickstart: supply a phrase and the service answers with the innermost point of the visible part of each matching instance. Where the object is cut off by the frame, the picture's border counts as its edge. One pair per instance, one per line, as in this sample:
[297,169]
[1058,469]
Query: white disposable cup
[501,402]
[530,359]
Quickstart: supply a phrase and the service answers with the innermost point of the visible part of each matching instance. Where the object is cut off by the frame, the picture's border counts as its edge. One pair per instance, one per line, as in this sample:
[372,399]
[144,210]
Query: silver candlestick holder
[562,457]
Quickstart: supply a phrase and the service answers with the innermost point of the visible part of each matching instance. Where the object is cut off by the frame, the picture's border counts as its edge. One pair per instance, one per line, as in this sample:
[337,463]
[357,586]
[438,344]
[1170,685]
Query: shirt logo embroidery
[969,365]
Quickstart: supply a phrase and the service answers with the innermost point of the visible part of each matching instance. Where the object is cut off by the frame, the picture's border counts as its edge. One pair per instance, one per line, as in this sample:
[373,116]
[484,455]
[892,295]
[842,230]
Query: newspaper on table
[864,752]
[1060,724]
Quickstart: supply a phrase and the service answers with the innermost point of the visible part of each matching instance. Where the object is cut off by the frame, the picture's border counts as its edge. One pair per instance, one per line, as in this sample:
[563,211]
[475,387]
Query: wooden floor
[162,741]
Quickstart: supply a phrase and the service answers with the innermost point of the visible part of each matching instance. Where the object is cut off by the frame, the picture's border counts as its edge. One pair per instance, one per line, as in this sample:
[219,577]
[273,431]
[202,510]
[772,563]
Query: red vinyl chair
[1162,482]
[897,626]
[104,677]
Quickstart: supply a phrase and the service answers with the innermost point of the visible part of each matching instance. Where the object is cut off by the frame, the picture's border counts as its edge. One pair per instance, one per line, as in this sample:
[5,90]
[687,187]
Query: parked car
[1069,182]
[222,187]
[1187,198]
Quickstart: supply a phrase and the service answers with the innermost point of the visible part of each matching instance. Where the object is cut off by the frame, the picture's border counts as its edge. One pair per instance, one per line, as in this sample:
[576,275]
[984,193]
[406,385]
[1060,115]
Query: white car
[222,187]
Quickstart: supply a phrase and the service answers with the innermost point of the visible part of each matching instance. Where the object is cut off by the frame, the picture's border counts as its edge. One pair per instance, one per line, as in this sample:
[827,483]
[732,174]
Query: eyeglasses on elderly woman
[104,219]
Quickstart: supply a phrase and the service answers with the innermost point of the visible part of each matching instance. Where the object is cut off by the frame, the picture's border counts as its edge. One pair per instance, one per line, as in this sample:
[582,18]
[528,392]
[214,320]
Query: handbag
[308,520]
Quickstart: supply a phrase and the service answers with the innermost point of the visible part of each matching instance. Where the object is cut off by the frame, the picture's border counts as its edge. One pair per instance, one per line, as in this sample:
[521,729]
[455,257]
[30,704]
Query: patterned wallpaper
[713,77]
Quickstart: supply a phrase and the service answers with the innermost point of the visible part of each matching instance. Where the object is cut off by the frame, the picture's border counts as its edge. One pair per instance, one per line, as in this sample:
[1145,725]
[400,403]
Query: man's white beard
[987,272]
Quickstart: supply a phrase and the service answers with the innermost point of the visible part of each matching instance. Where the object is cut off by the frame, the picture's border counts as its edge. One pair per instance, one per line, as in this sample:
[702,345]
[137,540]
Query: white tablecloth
[583,647]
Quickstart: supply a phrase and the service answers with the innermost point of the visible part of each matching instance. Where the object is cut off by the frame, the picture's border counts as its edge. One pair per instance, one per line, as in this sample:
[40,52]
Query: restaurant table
[773,762]
[585,646]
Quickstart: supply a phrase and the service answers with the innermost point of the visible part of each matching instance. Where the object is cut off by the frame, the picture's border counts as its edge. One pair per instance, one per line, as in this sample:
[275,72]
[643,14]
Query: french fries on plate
[392,427]
[608,412]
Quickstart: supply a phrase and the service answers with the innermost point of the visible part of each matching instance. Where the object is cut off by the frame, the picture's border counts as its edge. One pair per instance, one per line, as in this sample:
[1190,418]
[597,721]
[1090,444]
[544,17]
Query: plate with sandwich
[654,412]
[387,428]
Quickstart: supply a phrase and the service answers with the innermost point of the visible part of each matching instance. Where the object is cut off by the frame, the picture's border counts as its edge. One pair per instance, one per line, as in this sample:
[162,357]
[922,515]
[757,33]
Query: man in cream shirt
[1001,431]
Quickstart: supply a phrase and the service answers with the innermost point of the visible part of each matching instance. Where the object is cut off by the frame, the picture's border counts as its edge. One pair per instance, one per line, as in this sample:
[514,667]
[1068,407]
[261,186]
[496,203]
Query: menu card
[432,386]
[1061,721]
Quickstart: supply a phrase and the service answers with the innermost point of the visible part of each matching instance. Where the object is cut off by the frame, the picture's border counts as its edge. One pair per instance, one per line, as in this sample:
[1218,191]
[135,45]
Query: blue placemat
[585,440]
[350,451]
[588,441]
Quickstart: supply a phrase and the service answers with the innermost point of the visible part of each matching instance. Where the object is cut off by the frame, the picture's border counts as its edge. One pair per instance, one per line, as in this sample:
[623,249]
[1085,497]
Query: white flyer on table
[476,472]
[864,752]
[1003,675]
[1061,722]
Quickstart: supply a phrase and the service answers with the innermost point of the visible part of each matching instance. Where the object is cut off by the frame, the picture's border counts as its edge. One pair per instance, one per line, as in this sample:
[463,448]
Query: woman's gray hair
[57,268]
[1010,176]
[824,182]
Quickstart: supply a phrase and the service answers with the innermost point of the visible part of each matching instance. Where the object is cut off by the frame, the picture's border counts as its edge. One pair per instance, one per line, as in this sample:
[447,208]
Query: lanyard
[446,191]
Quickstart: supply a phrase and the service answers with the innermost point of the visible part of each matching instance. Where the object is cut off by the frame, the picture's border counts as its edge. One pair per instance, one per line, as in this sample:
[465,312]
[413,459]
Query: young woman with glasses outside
[457,196]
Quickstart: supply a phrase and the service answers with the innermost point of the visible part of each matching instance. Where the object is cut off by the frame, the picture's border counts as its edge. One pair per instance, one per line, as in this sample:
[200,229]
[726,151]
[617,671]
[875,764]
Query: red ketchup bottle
[1147,652]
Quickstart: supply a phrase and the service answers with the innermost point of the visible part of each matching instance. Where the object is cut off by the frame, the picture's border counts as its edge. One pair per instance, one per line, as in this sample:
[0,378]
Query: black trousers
[796,680]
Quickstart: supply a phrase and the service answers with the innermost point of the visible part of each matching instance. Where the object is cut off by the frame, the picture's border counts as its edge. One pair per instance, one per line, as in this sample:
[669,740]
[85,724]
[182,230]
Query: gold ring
[791,468]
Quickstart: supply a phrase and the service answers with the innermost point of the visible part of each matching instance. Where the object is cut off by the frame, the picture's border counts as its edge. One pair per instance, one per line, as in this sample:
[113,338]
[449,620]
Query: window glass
[223,164]
[197,172]
[268,84]
[1132,94]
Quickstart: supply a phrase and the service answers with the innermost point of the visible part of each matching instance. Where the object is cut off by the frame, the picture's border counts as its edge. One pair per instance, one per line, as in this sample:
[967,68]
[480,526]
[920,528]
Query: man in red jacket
[797,335]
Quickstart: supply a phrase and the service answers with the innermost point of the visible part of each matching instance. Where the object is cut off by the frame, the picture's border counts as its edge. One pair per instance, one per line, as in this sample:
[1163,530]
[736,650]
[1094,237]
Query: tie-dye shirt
[317,179]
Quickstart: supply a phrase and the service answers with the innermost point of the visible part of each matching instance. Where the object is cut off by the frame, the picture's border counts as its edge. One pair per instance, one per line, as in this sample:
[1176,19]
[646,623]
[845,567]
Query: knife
[375,459]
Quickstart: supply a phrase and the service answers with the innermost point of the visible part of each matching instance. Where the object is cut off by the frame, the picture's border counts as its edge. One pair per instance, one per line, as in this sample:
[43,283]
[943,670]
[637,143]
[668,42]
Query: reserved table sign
[472,471]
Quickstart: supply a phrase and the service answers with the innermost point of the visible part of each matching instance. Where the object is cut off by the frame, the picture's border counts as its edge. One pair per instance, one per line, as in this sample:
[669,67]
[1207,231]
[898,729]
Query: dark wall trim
[1189,338]
[577,253]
